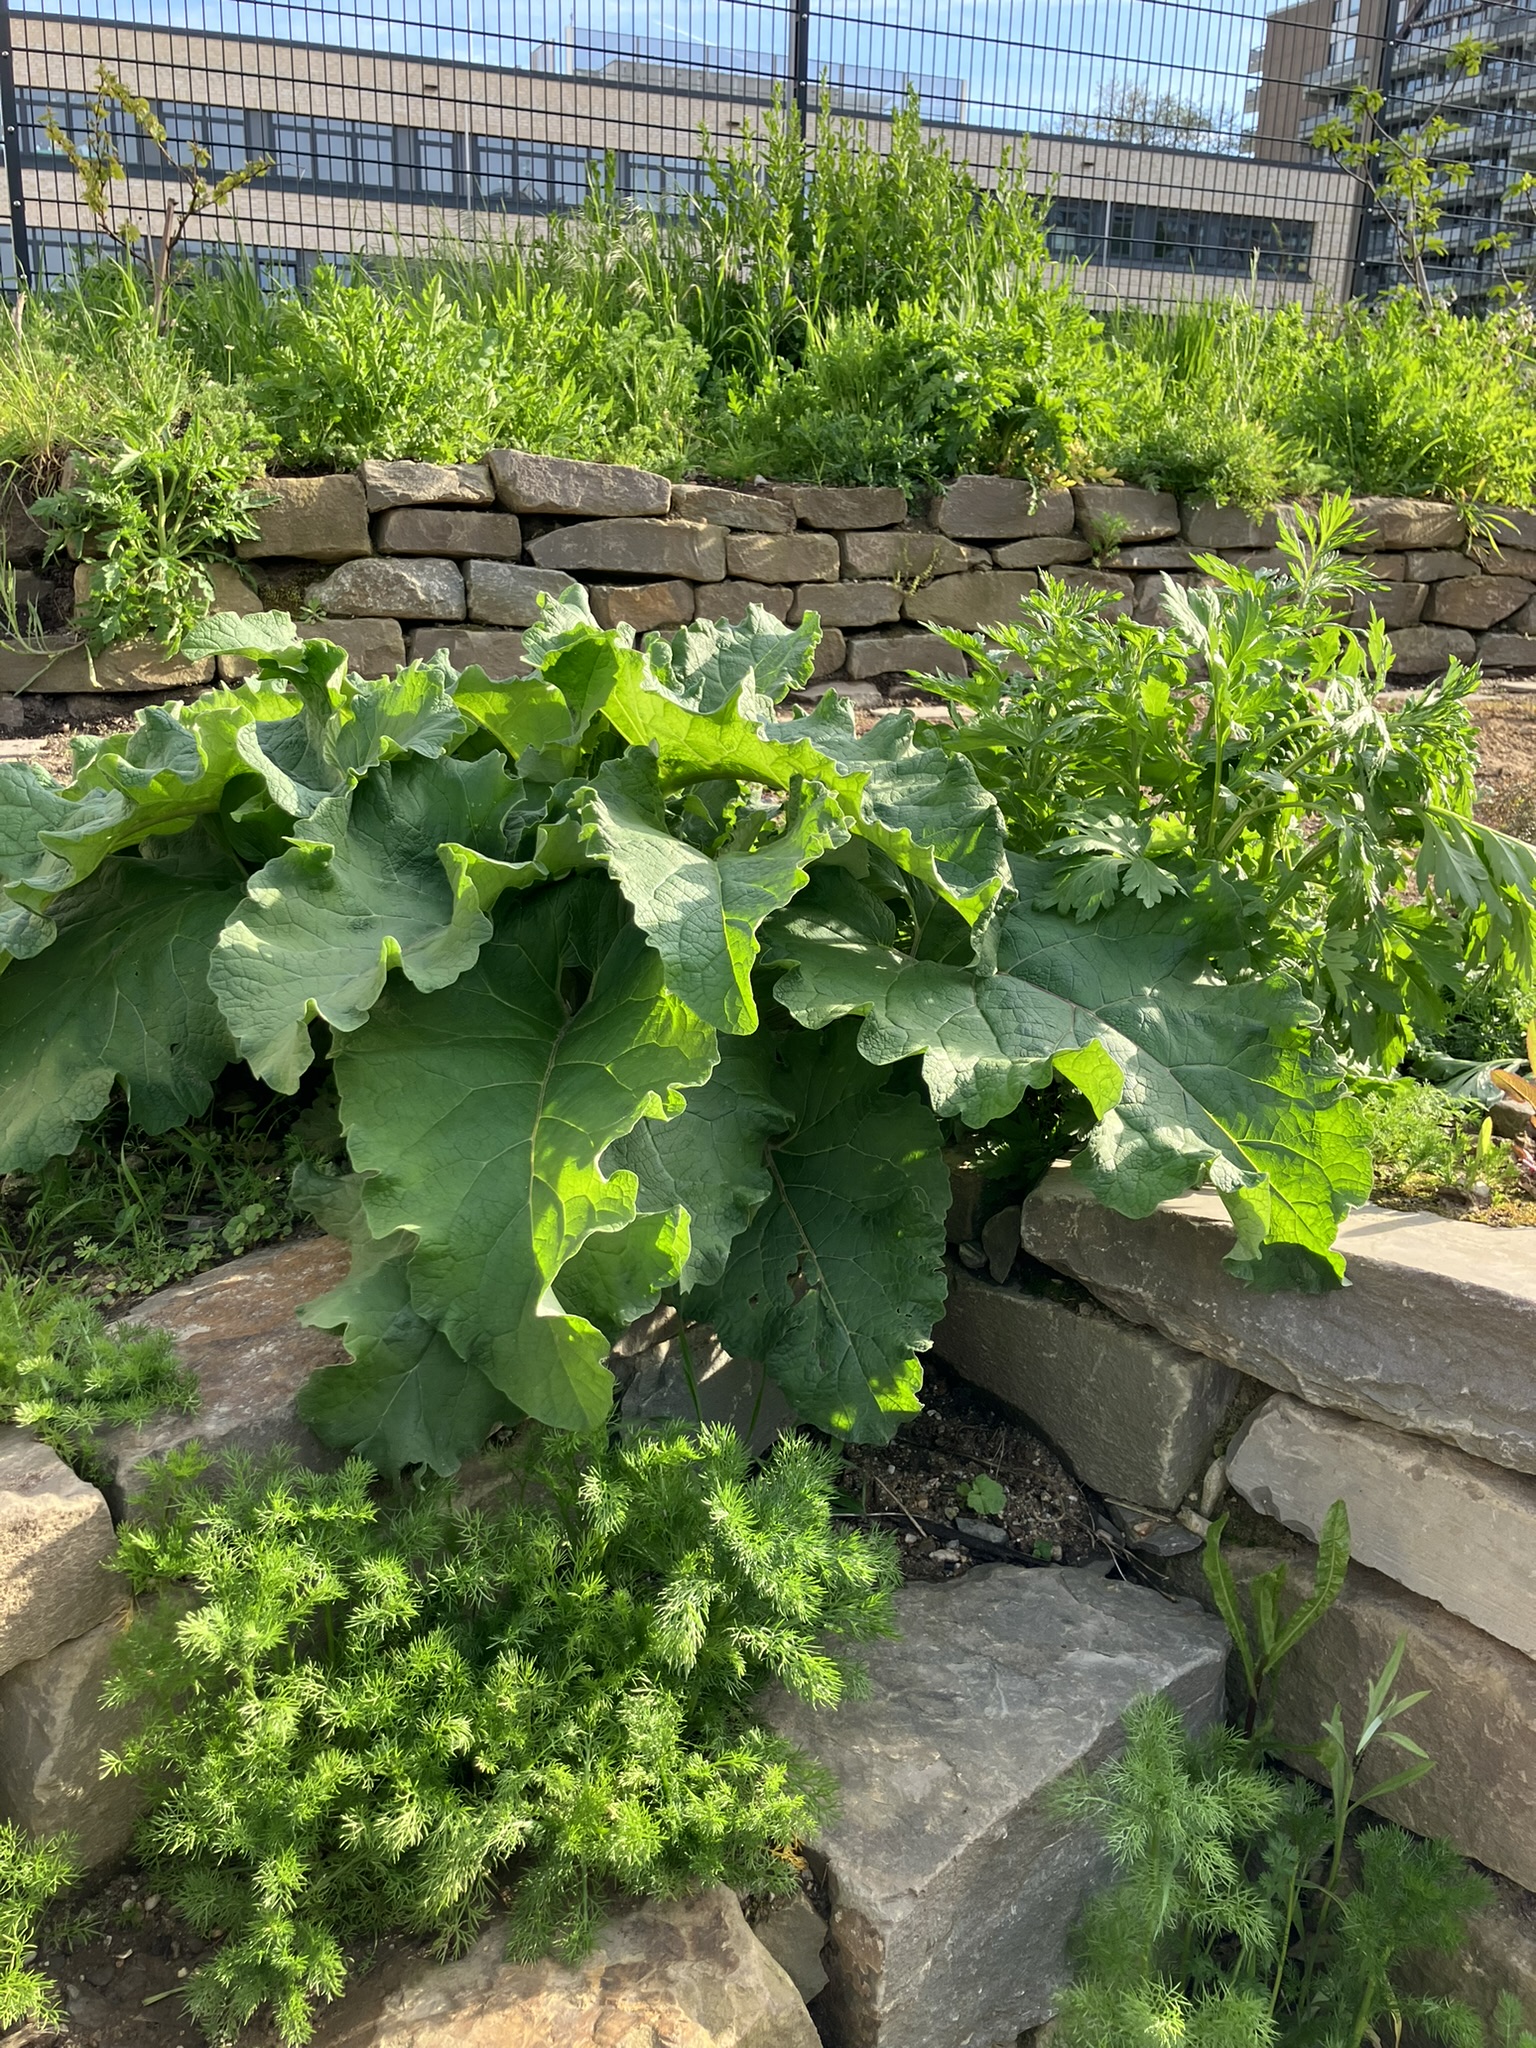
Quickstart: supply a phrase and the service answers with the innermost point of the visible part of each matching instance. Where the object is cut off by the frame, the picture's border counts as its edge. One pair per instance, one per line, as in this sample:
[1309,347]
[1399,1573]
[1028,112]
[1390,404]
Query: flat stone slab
[584,490]
[55,1539]
[236,1327]
[689,1973]
[502,594]
[953,1885]
[1478,1723]
[315,518]
[1448,1526]
[395,586]
[1436,1333]
[53,1729]
[636,547]
[1133,1415]
[388,484]
[1002,508]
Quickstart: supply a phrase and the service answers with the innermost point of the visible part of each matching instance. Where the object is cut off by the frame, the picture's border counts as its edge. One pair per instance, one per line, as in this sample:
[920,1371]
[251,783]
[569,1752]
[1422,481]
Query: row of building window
[444,167]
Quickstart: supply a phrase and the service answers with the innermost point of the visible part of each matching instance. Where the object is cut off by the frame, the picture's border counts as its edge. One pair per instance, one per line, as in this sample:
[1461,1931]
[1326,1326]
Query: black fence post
[10,139]
[799,56]
[1389,29]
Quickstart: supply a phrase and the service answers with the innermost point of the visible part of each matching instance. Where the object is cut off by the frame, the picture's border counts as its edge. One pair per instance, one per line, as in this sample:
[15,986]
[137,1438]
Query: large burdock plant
[633,989]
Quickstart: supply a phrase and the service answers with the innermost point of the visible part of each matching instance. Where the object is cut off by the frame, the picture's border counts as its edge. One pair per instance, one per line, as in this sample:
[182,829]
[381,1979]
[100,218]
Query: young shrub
[32,1872]
[387,1715]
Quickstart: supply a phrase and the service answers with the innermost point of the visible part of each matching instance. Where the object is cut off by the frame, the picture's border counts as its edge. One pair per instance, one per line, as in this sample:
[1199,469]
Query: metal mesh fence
[1169,138]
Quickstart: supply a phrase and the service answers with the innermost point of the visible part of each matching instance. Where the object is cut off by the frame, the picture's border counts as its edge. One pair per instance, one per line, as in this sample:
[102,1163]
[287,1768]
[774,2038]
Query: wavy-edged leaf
[398,872]
[922,807]
[405,1397]
[838,1279]
[482,1113]
[32,803]
[713,661]
[249,634]
[121,996]
[700,911]
[710,1161]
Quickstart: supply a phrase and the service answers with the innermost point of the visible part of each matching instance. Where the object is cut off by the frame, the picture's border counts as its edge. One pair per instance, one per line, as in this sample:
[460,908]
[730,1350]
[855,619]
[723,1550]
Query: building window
[534,177]
[1177,238]
[351,156]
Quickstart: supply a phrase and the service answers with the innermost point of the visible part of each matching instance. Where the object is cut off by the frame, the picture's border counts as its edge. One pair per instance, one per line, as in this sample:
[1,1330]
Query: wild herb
[390,1716]
[632,991]
[32,1872]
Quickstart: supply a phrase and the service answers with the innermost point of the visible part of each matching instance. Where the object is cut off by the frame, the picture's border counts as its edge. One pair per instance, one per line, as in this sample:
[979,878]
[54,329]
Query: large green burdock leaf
[701,911]
[923,808]
[121,996]
[1195,1082]
[542,719]
[405,1397]
[397,872]
[710,1161]
[838,1278]
[481,1113]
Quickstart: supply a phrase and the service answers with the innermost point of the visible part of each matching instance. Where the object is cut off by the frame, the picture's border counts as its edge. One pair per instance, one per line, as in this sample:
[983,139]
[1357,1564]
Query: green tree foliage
[373,1717]
[633,990]
[32,1872]
[1245,757]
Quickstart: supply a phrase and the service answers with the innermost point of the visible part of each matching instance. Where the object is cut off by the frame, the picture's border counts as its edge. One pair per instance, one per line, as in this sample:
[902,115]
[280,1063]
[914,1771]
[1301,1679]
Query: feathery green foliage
[64,1374]
[391,1715]
[32,1872]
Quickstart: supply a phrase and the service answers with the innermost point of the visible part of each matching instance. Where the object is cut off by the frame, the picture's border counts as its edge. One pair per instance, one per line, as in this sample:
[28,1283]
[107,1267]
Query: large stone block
[982,597]
[732,600]
[1133,1415]
[1152,554]
[890,654]
[237,1328]
[1208,526]
[53,1729]
[688,1972]
[1507,650]
[312,518]
[1507,561]
[783,557]
[502,594]
[839,509]
[831,653]
[498,652]
[1476,602]
[424,530]
[847,604]
[1434,1335]
[1400,604]
[55,1540]
[63,668]
[1057,553]
[1409,523]
[743,511]
[394,587]
[1429,650]
[1125,513]
[387,484]
[909,555]
[1434,565]
[373,647]
[582,490]
[953,1882]
[1517,527]
[636,547]
[1002,508]
[648,607]
[1120,589]
[1445,1525]
[1478,1722]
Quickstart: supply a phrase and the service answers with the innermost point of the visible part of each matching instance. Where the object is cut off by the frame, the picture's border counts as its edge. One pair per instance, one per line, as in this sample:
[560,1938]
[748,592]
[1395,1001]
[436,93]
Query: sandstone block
[1115,586]
[373,647]
[1508,561]
[498,652]
[1478,1723]
[502,594]
[1434,1334]
[684,1971]
[1429,650]
[953,1884]
[52,1732]
[420,530]
[839,509]
[1507,650]
[1002,508]
[62,669]
[648,607]
[1156,554]
[55,1540]
[889,654]
[907,555]
[316,518]
[1409,523]
[387,484]
[1519,527]
[1451,1527]
[831,654]
[237,1328]
[1127,513]
[1208,526]
[983,597]
[783,557]
[1434,565]
[1476,602]
[1041,554]
[397,587]
[743,511]
[732,599]
[636,547]
[1398,605]
[582,490]
[1133,1415]
[847,604]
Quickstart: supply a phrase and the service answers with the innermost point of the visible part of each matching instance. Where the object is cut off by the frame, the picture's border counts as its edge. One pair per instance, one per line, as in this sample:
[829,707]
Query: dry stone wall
[403,558]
